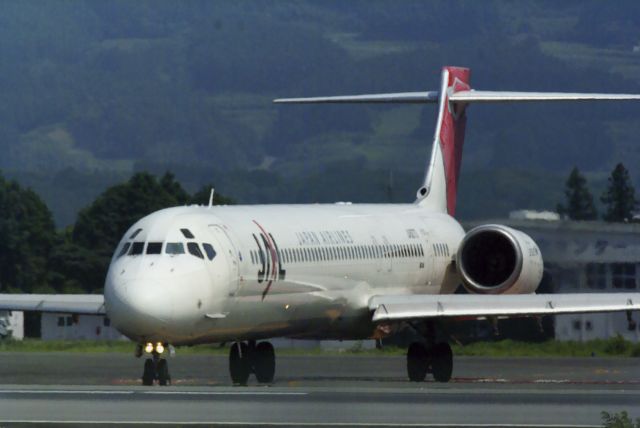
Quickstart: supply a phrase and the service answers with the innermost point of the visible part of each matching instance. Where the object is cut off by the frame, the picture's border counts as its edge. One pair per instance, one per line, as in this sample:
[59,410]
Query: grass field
[615,347]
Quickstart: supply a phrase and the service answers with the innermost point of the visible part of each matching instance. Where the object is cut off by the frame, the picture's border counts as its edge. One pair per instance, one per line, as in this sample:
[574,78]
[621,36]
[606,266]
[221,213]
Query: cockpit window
[187,233]
[194,250]
[208,248]
[174,248]
[134,234]
[136,248]
[124,249]
[154,248]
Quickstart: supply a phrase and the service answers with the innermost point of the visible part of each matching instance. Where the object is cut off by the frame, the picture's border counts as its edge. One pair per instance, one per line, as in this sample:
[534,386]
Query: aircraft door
[429,257]
[231,255]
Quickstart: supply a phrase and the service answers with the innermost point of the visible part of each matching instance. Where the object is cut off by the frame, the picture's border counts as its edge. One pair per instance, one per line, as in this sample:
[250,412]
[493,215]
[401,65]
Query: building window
[623,276]
[60,321]
[69,321]
[577,325]
[597,276]
[106,322]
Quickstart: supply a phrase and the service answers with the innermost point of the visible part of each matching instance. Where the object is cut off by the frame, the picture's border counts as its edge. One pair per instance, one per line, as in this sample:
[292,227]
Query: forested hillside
[93,91]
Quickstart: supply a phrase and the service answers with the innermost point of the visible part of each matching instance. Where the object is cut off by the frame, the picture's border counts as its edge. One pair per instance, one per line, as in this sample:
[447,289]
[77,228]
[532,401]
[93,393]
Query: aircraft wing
[410,307]
[86,304]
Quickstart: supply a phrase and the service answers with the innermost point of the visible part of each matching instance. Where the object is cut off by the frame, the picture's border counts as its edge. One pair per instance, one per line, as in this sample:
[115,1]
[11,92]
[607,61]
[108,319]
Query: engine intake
[495,259]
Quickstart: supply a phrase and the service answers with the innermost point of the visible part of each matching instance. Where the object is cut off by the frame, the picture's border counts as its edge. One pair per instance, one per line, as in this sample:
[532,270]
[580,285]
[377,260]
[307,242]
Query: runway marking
[305,424]
[99,392]
[463,380]
[220,393]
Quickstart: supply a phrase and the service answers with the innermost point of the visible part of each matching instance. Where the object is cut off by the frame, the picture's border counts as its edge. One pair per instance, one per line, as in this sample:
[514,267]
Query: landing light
[148,348]
[159,348]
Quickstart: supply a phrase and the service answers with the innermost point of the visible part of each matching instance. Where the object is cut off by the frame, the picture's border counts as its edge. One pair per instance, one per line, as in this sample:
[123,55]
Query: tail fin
[440,186]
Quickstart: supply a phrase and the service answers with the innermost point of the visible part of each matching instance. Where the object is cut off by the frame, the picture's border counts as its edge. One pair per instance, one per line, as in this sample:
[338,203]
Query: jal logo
[269,259]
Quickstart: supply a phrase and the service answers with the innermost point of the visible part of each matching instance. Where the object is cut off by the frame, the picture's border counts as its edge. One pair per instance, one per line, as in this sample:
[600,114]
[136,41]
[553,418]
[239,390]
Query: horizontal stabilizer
[465,97]
[408,307]
[400,97]
[474,96]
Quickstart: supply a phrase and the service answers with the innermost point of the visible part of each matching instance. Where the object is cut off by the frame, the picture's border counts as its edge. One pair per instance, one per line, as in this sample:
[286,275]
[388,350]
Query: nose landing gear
[156,367]
[248,358]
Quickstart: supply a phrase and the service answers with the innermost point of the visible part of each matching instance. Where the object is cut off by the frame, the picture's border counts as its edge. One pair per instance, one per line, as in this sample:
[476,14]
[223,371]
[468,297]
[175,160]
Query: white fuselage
[278,270]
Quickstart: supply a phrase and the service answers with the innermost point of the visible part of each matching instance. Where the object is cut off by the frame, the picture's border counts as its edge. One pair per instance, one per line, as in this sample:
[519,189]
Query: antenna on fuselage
[211,197]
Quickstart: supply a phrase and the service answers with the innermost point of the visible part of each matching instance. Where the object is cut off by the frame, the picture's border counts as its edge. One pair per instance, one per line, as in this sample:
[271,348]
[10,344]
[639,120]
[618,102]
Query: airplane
[244,274]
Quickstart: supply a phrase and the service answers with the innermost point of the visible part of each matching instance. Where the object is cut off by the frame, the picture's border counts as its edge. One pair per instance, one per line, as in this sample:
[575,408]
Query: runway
[316,391]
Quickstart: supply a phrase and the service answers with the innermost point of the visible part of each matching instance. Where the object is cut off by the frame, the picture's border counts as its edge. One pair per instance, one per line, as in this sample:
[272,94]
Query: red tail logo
[452,132]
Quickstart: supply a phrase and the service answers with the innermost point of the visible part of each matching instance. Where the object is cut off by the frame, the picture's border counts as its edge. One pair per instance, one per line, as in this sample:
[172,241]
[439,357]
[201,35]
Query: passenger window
[154,248]
[124,249]
[174,248]
[194,250]
[134,234]
[208,248]
[136,249]
[187,233]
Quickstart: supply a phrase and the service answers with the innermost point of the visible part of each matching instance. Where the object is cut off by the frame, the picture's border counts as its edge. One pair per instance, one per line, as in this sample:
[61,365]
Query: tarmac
[320,390]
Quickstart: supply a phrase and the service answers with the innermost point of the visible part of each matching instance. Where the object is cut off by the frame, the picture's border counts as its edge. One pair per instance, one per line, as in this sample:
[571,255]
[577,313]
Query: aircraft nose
[139,308]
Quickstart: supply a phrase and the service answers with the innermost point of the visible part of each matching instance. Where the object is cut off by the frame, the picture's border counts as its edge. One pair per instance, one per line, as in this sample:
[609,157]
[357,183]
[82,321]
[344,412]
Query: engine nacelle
[495,259]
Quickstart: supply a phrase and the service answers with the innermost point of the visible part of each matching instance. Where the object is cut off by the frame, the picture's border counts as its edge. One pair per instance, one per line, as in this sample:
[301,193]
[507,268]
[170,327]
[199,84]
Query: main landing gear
[437,360]
[156,368]
[246,358]
[433,357]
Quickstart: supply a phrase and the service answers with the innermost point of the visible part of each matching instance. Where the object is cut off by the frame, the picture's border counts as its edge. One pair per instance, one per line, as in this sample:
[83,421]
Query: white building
[12,325]
[587,257]
[71,327]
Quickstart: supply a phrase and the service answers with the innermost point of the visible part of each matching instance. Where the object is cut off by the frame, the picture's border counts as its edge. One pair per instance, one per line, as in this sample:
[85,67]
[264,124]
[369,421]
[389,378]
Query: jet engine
[495,259]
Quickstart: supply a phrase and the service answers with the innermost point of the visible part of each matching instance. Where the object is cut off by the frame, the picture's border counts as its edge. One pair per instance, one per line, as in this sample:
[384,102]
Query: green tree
[619,420]
[82,255]
[579,199]
[619,198]
[27,234]
[100,226]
